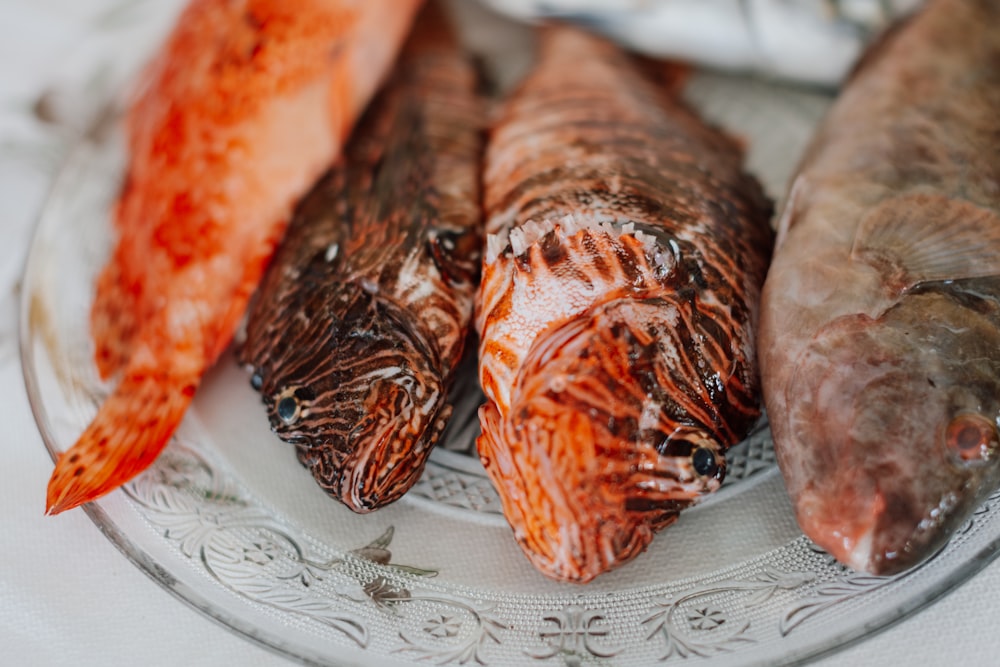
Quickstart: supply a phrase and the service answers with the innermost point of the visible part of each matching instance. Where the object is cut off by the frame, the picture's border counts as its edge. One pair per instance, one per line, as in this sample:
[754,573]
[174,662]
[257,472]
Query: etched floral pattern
[578,633]
[443,626]
[706,618]
[470,645]
[691,623]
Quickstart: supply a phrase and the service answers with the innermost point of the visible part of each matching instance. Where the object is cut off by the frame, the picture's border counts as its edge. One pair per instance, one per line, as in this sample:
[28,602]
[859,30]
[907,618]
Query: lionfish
[621,279]
[360,322]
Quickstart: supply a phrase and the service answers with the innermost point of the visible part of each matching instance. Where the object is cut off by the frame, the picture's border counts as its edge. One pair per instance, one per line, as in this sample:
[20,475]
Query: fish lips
[385,463]
[871,462]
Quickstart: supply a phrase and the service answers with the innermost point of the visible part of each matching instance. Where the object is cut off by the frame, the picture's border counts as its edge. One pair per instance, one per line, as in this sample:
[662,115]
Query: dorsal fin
[919,238]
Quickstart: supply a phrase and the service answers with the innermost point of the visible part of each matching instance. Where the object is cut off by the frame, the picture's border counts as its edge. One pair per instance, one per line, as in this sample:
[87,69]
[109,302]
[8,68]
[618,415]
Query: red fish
[239,113]
[626,253]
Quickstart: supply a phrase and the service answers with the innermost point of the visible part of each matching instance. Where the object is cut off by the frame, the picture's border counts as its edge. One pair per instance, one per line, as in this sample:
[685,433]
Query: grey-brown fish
[880,325]
[626,253]
[355,334]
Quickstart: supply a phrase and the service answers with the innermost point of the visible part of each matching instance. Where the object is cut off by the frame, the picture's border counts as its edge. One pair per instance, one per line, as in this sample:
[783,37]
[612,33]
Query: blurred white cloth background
[67,597]
[809,41]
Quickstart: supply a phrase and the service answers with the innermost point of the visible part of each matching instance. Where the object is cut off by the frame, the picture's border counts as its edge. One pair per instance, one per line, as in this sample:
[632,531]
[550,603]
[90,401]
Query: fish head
[357,387]
[595,454]
[901,416]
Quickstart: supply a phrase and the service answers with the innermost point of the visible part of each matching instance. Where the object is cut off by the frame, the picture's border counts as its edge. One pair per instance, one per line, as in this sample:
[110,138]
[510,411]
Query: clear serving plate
[228,521]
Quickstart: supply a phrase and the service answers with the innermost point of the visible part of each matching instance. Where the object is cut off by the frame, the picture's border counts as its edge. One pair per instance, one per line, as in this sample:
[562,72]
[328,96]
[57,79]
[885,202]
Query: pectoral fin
[920,238]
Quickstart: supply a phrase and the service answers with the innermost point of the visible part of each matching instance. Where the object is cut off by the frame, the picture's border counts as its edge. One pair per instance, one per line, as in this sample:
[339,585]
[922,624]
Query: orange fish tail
[132,427]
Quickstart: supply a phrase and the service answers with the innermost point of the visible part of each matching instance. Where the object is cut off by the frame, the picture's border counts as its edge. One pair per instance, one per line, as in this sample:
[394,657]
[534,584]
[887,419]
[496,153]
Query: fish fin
[921,238]
[130,430]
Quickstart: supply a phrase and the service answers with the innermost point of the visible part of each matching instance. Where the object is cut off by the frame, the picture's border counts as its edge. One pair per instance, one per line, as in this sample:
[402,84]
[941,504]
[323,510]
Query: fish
[625,252]
[236,116]
[355,334]
[880,316]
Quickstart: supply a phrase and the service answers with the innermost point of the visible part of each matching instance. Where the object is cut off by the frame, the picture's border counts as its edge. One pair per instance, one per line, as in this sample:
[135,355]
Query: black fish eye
[288,409]
[703,461]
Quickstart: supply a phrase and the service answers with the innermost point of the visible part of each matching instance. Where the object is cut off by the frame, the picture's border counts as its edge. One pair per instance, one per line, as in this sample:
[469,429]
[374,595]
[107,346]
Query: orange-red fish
[880,320]
[355,334]
[617,308]
[238,114]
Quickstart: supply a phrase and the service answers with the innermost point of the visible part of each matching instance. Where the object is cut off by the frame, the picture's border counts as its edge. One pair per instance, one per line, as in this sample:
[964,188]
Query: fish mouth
[569,528]
[588,462]
[871,539]
[362,398]
[386,463]
[848,536]
[864,455]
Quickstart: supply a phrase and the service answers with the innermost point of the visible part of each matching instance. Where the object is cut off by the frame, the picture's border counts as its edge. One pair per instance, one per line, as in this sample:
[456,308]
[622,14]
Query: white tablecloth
[67,596]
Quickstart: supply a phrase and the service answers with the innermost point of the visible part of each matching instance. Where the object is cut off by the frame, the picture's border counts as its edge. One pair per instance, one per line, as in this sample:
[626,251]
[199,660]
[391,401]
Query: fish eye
[704,463]
[288,409]
[972,438]
[695,447]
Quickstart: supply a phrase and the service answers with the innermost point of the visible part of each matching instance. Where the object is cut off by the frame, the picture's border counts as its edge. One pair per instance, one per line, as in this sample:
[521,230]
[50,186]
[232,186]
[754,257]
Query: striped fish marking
[361,320]
[622,272]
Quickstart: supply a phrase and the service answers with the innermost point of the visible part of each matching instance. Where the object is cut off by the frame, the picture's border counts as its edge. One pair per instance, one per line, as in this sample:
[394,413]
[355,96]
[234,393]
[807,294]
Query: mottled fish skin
[240,110]
[880,323]
[617,308]
[360,322]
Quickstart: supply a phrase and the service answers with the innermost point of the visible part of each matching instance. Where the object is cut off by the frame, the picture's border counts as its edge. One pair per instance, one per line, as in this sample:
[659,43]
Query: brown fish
[880,324]
[355,334]
[620,287]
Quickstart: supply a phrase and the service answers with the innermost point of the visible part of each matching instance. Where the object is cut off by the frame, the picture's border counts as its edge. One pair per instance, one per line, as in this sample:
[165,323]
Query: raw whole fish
[624,260]
[360,322]
[880,324]
[238,114]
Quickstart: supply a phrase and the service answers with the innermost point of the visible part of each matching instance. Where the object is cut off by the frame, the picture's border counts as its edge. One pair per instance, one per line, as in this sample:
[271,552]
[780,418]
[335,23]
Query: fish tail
[130,429]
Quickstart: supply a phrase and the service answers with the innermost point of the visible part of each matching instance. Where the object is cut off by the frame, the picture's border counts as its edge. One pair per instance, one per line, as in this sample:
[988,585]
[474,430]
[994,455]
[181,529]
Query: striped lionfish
[355,334]
[624,260]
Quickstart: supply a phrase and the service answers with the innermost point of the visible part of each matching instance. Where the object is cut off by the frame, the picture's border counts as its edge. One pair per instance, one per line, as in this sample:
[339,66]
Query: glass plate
[228,521]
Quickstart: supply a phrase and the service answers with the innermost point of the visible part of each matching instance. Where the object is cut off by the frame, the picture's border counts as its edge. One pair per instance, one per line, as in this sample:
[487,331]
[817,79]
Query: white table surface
[67,596]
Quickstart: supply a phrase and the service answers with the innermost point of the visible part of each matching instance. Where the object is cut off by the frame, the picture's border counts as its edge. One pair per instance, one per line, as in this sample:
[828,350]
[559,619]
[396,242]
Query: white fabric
[809,41]
[67,596]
